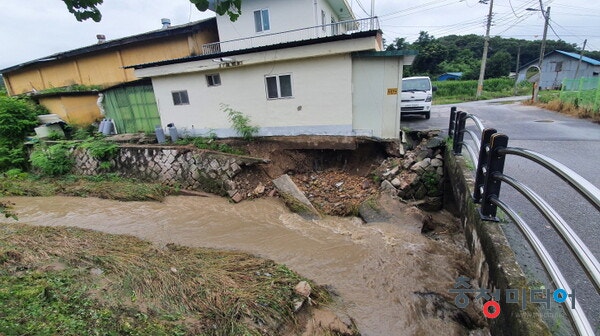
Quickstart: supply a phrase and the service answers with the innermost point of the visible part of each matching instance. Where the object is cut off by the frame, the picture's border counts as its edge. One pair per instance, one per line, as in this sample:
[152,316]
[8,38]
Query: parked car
[417,94]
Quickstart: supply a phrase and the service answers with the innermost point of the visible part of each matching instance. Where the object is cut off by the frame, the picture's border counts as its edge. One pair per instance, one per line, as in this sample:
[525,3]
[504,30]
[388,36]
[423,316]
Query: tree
[88,9]
[499,65]
[399,44]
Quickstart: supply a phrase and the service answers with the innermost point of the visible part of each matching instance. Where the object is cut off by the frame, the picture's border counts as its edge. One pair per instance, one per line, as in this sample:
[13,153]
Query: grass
[451,92]
[108,186]
[69,281]
[550,99]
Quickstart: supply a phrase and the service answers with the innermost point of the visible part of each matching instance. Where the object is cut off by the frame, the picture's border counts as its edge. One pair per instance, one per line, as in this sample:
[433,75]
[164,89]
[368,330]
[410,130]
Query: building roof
[116,43]
[564,53]
[576,56]
[370,33]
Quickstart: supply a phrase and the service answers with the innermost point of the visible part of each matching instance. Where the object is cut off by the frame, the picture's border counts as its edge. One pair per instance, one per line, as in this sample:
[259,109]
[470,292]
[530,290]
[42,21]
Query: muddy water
[375,269]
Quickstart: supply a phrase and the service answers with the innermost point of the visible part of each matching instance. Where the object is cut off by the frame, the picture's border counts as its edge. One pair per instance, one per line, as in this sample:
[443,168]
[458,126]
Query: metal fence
[583,92]
[332,29]
[489,157]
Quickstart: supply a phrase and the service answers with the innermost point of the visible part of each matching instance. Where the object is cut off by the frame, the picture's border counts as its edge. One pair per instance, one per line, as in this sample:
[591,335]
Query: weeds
[52,160]
[240,123]
[71,281]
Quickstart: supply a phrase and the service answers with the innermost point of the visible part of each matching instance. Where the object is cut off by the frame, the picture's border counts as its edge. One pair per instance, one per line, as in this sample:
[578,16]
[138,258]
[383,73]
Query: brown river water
[389,279]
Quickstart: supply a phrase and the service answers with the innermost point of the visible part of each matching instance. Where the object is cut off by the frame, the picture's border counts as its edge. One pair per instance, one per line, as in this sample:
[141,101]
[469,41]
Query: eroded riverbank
[390,280]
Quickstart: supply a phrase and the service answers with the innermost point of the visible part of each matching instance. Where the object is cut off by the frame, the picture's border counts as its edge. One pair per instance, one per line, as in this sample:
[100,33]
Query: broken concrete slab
[295,198]
[387,209]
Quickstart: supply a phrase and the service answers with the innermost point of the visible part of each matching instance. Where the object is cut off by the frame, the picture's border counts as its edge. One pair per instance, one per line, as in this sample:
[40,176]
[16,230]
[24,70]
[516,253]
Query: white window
[279,86]
[261,20]
[213,79]
[180,97]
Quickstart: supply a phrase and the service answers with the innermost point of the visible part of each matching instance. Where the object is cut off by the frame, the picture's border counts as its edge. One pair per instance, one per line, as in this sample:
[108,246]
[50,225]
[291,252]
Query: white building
[287,67]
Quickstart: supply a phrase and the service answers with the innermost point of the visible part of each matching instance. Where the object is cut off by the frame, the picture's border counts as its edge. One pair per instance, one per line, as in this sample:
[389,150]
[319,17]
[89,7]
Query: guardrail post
[452,123]
[459,132]
[482,168]
[491,186]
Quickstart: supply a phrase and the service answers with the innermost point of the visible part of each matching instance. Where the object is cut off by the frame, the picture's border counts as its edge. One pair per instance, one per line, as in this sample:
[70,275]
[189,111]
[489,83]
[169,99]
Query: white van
[417,94]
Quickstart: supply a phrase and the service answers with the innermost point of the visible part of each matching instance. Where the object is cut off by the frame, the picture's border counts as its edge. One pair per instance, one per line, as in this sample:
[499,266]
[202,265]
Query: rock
[238,197]
[303,289]
[339,184]
[387,186]
[431,204]
[396,182]
[421,192]
[294,197]
[96,271]
[421,165]
[366,185]
[437,163]
[440,171]
[392,172]
[173,270]
[436,142]
[260,189]
[272,193]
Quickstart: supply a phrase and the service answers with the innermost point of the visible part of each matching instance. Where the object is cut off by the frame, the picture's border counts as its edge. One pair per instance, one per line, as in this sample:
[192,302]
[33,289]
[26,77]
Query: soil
[336,180]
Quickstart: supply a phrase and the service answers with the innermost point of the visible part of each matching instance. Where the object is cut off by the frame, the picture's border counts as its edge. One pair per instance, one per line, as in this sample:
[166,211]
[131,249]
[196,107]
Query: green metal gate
[132,108]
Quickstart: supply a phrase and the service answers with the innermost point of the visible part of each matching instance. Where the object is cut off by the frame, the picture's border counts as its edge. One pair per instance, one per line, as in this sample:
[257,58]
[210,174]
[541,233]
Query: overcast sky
[34,29]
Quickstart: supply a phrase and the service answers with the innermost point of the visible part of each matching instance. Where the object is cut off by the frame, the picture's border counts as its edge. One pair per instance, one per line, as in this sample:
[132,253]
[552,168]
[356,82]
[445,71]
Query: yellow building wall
[102,69]
[75,110]
[105,68]
[59,75]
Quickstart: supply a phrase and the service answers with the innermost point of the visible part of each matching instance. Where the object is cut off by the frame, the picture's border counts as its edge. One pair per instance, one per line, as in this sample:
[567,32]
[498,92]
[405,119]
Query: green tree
[399,44]
[88,9]
[499,65]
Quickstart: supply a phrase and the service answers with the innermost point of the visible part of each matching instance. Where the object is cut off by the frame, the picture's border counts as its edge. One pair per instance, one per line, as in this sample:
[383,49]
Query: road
[571,141]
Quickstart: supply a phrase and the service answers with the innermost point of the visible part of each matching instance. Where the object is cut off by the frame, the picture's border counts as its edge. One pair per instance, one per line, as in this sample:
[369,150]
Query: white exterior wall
[284,16]
[321,103]
[375,112]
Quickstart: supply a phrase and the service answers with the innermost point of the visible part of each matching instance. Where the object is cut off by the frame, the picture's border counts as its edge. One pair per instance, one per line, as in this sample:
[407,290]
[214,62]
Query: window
[558,66]
[213,80]
[261,20]
[279,86]
[180,97]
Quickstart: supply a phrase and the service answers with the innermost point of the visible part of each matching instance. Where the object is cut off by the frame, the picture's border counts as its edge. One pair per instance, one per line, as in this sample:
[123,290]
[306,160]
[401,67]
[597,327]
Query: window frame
[180,97]
[278,86]
[262,14]
[210,79]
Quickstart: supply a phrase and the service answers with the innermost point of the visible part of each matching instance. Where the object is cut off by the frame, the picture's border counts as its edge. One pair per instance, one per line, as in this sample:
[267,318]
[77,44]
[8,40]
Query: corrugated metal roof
[148,36]
[576,56]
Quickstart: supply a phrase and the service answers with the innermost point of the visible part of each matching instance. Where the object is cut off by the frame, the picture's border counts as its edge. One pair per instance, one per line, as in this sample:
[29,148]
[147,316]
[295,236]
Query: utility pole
[580,57]
[486,45]
[517,69]
[546,15]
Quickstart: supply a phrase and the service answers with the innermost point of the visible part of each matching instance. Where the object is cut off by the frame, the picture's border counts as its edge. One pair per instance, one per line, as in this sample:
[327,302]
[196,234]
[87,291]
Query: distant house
[302,67]
[450,76]
[103,64]
[559,65]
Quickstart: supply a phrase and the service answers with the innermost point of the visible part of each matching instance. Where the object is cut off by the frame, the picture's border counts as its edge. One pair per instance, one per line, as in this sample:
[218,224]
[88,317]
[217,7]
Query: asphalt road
[571,141]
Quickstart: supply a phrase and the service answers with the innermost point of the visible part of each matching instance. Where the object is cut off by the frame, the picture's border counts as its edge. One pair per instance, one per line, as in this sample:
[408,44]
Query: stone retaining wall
[496,266]
[187,167]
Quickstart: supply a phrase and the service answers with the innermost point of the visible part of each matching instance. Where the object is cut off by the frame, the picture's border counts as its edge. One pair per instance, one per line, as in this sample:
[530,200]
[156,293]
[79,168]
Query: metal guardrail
[489,176]
[332,29]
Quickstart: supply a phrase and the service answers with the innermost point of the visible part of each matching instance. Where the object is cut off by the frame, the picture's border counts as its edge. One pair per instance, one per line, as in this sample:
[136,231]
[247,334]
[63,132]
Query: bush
[17,119]
[240,123]
[55,160]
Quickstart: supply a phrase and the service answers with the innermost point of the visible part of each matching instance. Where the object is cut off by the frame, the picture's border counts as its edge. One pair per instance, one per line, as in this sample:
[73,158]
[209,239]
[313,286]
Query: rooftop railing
[302,34]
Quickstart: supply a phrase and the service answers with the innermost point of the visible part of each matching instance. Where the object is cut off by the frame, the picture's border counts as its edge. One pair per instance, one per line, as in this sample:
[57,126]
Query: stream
[390,280]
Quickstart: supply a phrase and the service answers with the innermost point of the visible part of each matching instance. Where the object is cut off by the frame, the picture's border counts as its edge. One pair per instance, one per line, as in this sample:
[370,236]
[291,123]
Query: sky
[35,29]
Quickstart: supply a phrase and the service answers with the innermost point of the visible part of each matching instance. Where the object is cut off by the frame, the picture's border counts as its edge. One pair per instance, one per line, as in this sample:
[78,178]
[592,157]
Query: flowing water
[385,276]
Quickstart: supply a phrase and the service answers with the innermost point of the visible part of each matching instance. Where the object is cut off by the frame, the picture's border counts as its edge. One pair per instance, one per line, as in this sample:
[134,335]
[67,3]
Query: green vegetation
[449,92]
[69,281]
[454,53]
[18,117]
[72,88]
[52,160]
[240,123]
[210,143]
[108,186]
